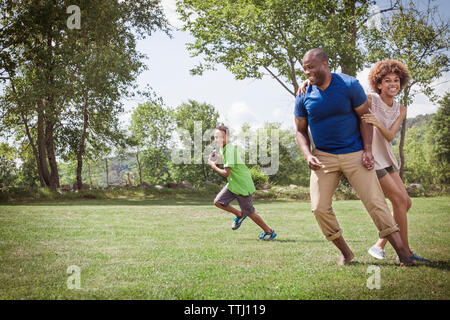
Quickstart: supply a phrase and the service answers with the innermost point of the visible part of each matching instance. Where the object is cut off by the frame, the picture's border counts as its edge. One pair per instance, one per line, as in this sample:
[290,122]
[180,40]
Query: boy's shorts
[225,196]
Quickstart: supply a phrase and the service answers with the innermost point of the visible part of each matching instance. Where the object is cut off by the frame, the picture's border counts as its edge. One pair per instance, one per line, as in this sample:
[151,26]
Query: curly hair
[385,67]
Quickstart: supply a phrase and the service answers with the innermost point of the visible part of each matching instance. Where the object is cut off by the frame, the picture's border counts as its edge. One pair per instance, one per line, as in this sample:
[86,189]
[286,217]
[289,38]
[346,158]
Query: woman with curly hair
[387,79]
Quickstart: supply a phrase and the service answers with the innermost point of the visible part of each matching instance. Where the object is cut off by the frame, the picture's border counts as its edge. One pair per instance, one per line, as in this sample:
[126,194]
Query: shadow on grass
[441,265]
[298,240]
[114,202]
[178,201]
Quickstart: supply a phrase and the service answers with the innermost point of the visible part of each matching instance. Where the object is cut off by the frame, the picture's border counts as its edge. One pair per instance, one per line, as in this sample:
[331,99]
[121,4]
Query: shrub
[258,177]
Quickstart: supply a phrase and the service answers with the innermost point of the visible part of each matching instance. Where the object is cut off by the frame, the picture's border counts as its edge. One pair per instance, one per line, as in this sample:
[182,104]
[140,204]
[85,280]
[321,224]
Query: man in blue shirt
[332,108]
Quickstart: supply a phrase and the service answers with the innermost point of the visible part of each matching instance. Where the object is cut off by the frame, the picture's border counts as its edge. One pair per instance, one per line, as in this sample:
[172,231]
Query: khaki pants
[323,184]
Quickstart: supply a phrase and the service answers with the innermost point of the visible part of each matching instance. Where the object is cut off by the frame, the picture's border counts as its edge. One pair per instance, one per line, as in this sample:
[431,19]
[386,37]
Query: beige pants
[323,184]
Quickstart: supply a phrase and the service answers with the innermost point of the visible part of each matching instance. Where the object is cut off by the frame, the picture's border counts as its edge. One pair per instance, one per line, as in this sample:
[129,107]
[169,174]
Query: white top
[381,148]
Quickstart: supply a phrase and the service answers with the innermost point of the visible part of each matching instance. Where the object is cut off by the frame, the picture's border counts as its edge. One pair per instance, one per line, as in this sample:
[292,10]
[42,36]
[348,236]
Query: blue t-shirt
[333,123]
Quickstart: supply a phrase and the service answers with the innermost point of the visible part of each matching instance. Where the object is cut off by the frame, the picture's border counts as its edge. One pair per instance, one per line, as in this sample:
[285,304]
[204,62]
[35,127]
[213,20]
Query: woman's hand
[371,119]
[303,86]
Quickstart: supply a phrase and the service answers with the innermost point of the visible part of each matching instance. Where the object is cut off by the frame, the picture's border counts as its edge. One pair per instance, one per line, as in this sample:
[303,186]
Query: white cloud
[363,78]
[375,19]
[239,113]
[421,108]
[277,113]
[170,8]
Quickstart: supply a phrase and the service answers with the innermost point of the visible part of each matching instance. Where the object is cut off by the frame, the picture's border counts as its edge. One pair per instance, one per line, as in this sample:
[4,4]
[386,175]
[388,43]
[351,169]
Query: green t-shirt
[239,181]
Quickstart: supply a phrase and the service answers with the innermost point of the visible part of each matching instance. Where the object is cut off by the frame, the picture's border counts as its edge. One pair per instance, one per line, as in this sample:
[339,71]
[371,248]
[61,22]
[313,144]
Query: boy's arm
[223,172]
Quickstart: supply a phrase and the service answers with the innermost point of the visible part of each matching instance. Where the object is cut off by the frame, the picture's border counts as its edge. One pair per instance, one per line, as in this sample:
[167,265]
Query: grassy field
[185,249]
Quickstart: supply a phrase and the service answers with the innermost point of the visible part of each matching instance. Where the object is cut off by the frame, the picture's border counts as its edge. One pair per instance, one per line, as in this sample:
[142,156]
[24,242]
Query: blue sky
[238,101]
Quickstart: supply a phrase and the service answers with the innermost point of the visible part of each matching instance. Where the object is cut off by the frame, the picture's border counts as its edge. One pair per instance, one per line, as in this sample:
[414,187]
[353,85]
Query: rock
[434,188]
[83,186]
[416,186]
[293,186]
[159,186]
[264,186]
[209,183]
[186,184]
[172,185]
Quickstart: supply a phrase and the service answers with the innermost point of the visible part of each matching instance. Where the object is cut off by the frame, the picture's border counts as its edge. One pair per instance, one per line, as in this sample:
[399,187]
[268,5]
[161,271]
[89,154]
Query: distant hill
[418,121]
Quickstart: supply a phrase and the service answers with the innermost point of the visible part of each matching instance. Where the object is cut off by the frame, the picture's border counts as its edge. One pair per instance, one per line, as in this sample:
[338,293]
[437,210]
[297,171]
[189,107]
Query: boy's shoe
[268,235]
[377,253]
[237,222]
[415,257]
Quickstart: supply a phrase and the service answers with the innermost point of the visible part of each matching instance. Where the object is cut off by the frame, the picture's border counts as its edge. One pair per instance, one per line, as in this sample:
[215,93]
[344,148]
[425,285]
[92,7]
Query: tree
[152,127]
[293,169]
[56,75]
[440,140]
[198,121]
[256,38]
[420,41]
[102,73]
[417,151]
[290,166]
[8,167]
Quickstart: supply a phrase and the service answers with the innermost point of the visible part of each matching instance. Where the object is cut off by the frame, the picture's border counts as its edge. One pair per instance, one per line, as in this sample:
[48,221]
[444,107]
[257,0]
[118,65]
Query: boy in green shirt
[240,185]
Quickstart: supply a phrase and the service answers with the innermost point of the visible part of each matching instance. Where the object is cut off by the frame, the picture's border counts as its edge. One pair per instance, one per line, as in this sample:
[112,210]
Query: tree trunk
[35,152]
[90,175]
[51,112]
[139,168]
[107,172]
[49,144]
[82,143]
[400,149]
[42,153]
[401,152]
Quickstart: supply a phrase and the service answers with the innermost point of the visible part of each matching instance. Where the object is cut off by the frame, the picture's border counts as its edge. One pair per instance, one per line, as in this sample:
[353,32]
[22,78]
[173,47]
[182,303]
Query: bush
[258,177]
[283,193]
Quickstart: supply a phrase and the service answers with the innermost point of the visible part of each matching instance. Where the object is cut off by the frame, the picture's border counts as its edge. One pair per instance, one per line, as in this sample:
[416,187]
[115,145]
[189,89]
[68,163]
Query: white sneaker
[377,253]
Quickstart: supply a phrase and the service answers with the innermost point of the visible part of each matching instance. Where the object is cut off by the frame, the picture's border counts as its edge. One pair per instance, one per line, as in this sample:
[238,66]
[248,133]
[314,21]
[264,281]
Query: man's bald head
[316,53]
[315,67]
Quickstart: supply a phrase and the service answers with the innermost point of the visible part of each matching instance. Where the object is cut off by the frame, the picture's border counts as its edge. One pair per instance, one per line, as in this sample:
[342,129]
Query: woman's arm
[396,125]
[390,133]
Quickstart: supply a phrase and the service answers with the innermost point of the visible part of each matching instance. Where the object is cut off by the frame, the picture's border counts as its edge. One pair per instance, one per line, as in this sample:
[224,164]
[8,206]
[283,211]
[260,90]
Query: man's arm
[366,130]
[301,134]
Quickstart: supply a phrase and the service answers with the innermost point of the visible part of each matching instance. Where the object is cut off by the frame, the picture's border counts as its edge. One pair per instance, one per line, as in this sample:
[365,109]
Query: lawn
[185,249]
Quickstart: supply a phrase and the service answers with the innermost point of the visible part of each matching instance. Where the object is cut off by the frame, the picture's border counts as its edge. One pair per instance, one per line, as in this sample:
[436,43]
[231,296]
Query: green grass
[182,249]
